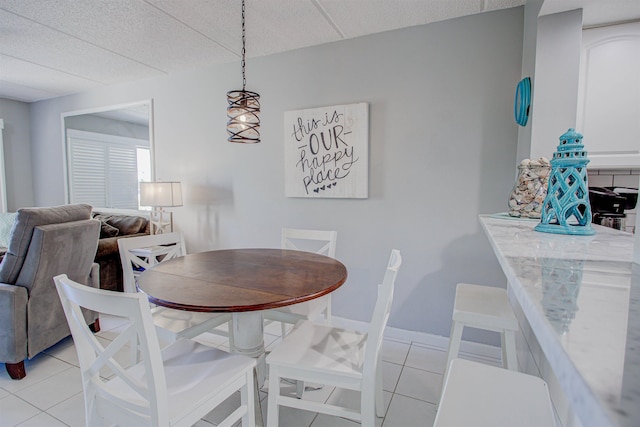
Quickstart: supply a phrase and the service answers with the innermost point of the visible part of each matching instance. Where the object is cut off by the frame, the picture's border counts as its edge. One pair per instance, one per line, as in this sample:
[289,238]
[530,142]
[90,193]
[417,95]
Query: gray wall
[93,123]
[442,150]
[17,153]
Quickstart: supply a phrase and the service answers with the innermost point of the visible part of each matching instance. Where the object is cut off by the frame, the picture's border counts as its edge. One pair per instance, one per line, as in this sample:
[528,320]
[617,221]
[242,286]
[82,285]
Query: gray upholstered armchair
[44,242]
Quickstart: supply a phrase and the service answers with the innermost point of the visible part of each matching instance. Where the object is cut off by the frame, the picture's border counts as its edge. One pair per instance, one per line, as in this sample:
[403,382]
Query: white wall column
[557,71]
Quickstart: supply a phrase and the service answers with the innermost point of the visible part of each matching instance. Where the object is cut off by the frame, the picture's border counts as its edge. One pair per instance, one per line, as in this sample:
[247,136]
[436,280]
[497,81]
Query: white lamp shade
[160,194]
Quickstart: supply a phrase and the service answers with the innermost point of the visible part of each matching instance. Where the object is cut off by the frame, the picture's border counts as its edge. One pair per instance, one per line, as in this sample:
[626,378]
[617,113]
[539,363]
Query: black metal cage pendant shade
[244,107]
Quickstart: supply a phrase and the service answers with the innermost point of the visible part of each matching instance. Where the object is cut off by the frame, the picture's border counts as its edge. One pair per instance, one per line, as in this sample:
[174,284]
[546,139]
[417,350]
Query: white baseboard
[482,351]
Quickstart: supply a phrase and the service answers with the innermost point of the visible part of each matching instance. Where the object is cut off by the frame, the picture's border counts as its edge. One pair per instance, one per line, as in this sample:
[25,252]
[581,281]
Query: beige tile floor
[51,394]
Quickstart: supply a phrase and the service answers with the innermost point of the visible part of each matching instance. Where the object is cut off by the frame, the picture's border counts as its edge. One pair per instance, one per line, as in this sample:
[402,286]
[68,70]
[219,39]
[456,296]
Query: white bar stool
[488,308]
[476,394]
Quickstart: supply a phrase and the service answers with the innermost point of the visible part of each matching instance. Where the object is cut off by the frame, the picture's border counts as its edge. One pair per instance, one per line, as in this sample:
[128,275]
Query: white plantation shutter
[123,177]
[103,170]
[87,173]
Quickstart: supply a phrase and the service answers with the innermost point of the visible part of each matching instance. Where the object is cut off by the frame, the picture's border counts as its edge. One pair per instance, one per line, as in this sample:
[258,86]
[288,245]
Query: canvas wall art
[327,152]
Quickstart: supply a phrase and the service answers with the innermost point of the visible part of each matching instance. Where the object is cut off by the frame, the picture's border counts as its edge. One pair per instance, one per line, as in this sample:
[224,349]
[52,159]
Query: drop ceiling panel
[109,41]
[501,4]
[282,25]
[218,20]
[37,77]
[132,28]
[32,42]
[596,12]
[357,18]
[18,92]
[271,25]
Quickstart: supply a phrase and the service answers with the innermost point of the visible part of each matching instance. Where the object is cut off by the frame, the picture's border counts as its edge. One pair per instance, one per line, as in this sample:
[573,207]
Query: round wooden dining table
[243,282]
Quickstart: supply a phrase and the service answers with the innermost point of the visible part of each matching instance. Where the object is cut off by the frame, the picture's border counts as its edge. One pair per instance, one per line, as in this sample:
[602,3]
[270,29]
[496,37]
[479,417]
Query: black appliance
[609,203]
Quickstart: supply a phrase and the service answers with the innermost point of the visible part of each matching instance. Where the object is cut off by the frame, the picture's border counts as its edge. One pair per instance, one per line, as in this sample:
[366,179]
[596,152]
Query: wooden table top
[237,280]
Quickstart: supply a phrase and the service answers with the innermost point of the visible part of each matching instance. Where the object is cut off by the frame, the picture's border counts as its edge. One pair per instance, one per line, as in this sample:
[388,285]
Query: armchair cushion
[26,220]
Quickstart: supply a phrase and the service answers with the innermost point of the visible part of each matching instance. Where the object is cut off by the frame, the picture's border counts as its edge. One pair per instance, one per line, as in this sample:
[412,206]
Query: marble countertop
[581,296]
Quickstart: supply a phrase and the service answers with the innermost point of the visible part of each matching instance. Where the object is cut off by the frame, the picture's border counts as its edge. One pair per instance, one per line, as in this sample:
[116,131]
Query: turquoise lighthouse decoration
[566,209]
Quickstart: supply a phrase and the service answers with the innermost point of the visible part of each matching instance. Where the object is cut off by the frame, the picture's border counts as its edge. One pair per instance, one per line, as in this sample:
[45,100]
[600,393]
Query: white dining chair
[172,387]
[139,253]
[322,242]
[318,241]
[477,394]
[338,357]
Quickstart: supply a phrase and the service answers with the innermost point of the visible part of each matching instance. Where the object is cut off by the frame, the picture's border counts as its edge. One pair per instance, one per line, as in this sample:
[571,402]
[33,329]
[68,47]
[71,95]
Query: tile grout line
[393,392]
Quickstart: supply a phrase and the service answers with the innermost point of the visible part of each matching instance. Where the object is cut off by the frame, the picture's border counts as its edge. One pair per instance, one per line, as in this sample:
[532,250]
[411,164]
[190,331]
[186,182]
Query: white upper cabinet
[609,95]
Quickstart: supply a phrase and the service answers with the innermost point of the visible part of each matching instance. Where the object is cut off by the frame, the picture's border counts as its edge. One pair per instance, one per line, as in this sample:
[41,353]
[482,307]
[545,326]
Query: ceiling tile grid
[21,73]
[19,92]
[65,46]
[358,18]
[218,20]
[32,42]
[281,25]
[134,29]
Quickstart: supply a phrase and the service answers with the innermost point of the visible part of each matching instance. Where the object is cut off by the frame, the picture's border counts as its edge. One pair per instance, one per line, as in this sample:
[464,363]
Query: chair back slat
[319,241]
[380,317]
[149,383]
[130,260]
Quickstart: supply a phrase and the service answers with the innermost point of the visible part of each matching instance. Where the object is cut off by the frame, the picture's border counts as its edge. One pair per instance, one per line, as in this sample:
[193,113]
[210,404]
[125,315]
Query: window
[104,170]
[109,150]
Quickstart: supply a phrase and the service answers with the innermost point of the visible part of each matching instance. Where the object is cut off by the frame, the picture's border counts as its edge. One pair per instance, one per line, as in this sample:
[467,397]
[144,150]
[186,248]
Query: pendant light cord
[243,108]
[244,80]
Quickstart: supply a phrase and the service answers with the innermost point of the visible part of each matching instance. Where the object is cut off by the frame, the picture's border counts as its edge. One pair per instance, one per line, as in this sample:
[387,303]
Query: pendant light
[243,109]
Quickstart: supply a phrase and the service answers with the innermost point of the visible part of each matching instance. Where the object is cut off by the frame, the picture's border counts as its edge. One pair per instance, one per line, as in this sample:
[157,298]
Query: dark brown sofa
[115,227]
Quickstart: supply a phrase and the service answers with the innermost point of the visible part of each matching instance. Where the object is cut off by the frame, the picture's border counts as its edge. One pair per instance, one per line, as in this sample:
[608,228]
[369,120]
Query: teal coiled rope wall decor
[522,102]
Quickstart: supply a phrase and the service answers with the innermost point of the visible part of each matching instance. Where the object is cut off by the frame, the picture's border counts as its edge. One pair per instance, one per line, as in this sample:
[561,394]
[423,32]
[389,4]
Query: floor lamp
[161,194]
